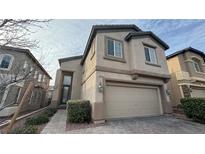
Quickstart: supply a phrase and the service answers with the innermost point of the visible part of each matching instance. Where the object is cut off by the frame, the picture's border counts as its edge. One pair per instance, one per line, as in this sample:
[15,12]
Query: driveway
[149,125]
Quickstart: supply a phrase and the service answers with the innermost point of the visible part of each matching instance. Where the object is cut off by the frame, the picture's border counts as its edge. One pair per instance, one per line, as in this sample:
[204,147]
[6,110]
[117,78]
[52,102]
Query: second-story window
[39,77]
[35,75]
[44,78]
[6,61]
[197,65]
[150,55]
[114,48]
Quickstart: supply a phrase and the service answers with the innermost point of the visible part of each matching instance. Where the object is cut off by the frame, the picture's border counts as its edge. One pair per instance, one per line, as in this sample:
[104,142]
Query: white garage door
[131,101]
[198,92]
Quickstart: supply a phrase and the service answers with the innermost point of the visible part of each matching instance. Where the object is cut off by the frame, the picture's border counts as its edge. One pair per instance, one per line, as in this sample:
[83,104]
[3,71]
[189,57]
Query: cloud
[64,38]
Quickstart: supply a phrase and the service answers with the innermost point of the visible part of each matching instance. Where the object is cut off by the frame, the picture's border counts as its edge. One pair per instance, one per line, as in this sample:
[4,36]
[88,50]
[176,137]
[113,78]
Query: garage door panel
[131,102]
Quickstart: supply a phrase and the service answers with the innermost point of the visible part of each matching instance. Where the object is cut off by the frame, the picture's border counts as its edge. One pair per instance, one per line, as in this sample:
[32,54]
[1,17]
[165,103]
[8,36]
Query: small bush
[50,112]
[194,108]
[41,119]
[79,111]
[29,129]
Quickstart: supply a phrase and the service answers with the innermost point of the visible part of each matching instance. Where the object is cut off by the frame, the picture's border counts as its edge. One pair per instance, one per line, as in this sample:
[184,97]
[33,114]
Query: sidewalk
[57,124]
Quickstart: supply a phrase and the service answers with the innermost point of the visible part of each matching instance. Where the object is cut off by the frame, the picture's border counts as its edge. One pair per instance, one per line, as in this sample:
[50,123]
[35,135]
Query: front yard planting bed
[36,124]
[194,108]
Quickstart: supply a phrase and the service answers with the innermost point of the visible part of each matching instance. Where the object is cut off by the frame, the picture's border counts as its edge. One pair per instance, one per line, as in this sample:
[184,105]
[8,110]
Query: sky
[65,37]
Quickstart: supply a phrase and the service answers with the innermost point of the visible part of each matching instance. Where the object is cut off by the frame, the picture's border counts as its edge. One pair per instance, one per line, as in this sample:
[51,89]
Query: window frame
[113,57]
[198,63]
[150,57]
[40,77]
[10,64]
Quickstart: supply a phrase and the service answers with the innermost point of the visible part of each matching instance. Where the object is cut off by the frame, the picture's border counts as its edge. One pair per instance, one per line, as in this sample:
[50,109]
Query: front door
[66,88]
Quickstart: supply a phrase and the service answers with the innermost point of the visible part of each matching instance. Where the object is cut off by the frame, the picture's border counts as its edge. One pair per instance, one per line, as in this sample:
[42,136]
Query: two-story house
[187,69]
[123,72]
[18,67]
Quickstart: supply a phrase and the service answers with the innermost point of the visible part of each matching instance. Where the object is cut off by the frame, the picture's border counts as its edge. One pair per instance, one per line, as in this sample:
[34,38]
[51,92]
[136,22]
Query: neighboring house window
[35,75]
[6,61]
[197,65]
[39,77]
[150,55]
[31,69]
[44,78]
[25,65]
[18,95]
[114,48]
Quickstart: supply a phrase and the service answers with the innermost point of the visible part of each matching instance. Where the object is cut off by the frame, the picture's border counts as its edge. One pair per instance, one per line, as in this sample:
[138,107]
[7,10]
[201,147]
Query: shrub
[29,129]
[79,111]
[50,112]
[41,119]
[194,108]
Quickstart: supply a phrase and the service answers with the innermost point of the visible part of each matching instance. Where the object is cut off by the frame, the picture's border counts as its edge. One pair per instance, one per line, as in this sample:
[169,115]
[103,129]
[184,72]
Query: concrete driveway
[149,125]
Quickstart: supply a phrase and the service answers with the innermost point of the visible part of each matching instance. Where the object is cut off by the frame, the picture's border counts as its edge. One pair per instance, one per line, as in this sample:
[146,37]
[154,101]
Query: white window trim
[1,58]
[114,48]
[44,78]
[150,56]
[194,62]
[40,77]
[25,65]
[36,74]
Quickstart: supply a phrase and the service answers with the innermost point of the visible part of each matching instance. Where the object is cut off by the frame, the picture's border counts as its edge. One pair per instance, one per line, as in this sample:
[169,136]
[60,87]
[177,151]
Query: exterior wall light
[100,87]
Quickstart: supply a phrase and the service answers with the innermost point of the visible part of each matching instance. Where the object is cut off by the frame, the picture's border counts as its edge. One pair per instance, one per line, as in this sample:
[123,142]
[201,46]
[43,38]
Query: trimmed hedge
[79,111]
[29,129]
[50,112]
[194,108]
[41,119]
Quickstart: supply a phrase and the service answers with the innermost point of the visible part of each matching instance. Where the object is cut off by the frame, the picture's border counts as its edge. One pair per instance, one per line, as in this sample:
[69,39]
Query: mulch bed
[76,126]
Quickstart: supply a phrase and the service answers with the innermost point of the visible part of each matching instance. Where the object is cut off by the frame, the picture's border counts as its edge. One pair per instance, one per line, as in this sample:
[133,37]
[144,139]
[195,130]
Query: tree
[16,33]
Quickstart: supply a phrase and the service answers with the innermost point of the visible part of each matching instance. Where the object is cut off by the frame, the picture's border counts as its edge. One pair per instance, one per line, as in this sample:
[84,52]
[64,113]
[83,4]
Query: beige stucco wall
[75,67]
[133,53]
[138,56]
[135,60]
[102,77]
[71,66]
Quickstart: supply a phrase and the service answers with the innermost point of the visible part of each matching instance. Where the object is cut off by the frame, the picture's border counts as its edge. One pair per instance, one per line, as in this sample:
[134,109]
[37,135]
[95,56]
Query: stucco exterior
[184,78]
[98,69]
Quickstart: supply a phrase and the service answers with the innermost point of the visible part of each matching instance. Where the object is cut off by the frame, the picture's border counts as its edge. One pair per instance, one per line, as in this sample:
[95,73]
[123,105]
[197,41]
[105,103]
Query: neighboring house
[187,69]
[16,64]
[50,93]
[123,72]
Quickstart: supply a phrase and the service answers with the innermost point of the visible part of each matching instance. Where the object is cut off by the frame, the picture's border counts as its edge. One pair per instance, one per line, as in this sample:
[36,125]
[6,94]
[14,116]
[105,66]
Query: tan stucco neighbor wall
[183,64]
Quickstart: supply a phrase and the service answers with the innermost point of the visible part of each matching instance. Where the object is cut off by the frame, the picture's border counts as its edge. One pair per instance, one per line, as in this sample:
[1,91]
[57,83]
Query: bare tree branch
[15,32]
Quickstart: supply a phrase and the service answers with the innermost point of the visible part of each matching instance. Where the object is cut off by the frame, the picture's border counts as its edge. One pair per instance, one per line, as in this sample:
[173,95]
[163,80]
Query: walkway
[57,124]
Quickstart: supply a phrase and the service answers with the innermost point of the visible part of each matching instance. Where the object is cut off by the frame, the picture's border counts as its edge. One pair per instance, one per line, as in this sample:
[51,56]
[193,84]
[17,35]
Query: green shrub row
[41,119]
[79,111]
[194,108]
[50,112]
[30,124]
[28,129]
